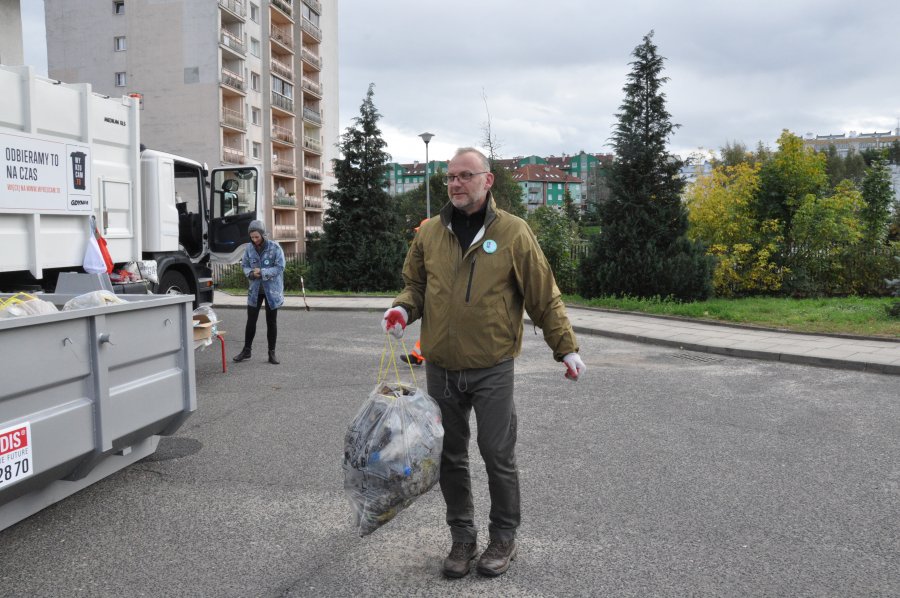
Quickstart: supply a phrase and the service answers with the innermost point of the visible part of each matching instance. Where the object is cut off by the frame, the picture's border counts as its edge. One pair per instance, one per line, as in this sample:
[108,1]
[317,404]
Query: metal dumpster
[85,393]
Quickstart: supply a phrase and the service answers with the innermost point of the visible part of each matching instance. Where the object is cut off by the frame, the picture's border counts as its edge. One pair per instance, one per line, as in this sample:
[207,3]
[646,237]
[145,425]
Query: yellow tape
[17,298]
[384,369]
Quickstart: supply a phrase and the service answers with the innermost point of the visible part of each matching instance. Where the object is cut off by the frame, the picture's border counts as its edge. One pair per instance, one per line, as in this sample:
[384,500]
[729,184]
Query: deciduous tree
[557,236]
[720,215]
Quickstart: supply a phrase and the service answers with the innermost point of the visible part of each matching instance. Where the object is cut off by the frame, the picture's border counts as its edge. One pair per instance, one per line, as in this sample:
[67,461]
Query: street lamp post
[426,137]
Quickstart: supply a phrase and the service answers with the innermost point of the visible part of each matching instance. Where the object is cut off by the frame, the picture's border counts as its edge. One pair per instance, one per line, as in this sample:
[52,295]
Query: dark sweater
[465,227]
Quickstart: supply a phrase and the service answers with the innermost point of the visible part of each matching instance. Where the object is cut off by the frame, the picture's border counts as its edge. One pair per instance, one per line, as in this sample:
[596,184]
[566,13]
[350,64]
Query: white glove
[394,321]
[575,367]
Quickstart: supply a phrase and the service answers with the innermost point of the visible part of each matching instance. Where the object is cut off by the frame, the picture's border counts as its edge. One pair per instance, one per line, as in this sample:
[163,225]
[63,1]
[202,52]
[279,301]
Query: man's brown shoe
[459,561]
[496,558]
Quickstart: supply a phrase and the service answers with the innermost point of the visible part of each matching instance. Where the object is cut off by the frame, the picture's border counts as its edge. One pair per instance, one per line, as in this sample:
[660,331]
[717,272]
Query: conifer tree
[642,249]
[361,248]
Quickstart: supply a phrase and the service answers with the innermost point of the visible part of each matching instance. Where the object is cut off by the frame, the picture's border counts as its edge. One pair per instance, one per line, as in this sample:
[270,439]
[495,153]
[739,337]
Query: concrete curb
[880,356]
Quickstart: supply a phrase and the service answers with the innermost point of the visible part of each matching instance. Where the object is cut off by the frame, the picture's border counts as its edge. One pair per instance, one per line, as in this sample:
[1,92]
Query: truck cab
[194,217]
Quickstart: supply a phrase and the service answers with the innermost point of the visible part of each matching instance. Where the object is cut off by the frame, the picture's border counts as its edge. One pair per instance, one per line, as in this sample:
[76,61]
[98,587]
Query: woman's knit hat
[258,226]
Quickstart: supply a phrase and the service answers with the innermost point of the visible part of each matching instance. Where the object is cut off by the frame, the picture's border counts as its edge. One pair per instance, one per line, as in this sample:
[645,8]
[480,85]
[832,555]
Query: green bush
[295,267]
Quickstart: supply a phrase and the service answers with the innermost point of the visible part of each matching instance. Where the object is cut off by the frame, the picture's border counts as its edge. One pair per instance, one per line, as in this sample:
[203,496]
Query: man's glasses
[465,177]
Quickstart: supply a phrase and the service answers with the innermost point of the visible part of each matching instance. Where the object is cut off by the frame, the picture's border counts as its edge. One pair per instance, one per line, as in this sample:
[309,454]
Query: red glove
[394,321]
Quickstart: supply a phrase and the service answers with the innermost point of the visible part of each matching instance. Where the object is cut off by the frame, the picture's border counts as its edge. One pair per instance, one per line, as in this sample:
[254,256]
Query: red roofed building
[545,185]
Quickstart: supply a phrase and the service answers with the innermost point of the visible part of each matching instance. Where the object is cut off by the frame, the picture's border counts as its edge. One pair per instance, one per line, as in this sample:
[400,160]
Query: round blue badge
[266,262]
[490,246]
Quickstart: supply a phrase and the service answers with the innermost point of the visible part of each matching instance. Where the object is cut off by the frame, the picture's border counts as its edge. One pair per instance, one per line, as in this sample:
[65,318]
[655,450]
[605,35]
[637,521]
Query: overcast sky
[553,72]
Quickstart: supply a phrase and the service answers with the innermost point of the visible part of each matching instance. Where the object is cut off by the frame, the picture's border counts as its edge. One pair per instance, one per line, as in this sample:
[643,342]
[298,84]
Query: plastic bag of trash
[92,299]
[392,453]
[23,304]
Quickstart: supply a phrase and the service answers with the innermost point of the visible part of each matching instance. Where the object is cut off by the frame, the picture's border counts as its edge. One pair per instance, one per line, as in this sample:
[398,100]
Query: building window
[254,46]
[119,43]
[254,13]
[255,116]
[310,15]
[254,81]
[120,79]
[118,7]
[256,150]
[282,87]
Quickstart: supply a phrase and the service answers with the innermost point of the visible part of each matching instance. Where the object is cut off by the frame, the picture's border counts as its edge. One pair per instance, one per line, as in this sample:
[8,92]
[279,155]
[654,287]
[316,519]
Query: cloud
[553,73]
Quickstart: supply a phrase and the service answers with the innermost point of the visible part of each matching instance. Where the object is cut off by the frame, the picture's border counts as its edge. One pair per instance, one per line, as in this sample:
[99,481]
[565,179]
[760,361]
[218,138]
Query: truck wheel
[174,283]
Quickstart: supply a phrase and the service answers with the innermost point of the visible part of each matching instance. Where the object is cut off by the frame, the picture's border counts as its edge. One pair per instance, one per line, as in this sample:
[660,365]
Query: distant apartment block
[563,172]
[222,81]
[858,142]
[406,177]
[845,142]
[545,185]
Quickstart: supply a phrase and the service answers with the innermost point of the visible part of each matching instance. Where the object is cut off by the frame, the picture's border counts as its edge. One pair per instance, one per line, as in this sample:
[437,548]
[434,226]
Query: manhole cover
[174,448]
[696,357]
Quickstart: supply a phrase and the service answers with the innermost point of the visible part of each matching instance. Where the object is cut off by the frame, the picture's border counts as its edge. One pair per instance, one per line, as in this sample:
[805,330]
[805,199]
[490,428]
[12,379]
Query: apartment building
[545,185]
[12,52]
[406,177]
[858,142]
[544,180]
[222,81]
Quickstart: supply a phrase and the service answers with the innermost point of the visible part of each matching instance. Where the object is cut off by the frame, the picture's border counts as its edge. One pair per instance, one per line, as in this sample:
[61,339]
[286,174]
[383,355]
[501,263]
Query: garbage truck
[86,392]
[71,159]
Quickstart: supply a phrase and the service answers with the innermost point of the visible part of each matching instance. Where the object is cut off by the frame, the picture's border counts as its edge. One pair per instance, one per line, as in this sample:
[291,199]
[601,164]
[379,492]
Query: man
[263,264]
[468,275]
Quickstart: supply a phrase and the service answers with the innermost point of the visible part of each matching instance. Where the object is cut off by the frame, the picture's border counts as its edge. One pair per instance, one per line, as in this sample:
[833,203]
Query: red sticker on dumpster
[16,461]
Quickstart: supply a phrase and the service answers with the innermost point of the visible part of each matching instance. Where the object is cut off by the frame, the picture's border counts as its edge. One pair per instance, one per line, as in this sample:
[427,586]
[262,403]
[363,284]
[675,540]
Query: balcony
[311,86]
[284,6]
[283,134]
[313,202]
[282,102]
[312,30]
[285,231]
[232,80]
[234,119]
[311,58]
[285,201]
[282,70]
[283,167]
[312,115]
[314,229]
[314,4]
[313,174]
[283,36]
[312,144]
[233,43]
[232,155]
[236,7]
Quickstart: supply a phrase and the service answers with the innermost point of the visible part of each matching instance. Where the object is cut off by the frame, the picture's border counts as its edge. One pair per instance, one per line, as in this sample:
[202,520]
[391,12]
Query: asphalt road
[663,473]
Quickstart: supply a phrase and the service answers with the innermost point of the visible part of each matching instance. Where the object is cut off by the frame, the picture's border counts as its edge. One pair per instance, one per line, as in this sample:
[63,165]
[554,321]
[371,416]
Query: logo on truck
[16,462]
[78,169]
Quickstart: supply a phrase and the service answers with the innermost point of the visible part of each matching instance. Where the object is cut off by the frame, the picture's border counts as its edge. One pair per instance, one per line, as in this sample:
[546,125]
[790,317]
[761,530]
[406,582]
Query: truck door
[234,196]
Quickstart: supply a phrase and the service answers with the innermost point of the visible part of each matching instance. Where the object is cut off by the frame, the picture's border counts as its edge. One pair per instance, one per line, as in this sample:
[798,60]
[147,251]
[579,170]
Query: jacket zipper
[471,276]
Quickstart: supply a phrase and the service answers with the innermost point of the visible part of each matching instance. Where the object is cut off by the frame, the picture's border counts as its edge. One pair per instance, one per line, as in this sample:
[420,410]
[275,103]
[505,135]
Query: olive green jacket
[471,305]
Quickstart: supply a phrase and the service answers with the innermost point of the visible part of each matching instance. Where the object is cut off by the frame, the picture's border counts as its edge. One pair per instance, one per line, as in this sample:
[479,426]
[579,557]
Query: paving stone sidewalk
[844,352]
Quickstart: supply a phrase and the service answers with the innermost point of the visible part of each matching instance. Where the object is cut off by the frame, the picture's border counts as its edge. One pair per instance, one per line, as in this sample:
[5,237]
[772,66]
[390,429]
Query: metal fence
[580,250]
[231,276]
